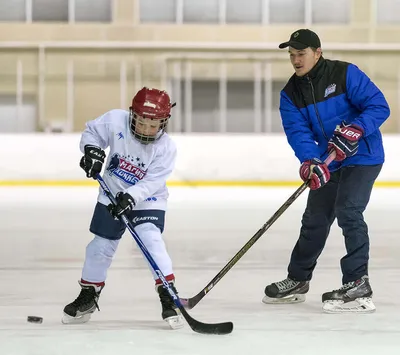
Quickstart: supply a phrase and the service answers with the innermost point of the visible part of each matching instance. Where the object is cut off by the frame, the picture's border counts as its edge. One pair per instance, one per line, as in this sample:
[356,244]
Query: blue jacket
[331,93]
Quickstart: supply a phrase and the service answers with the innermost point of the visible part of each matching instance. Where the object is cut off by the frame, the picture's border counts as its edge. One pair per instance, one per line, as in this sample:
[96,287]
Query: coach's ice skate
[353,297]
[286,291]
[85,304]
[170,313]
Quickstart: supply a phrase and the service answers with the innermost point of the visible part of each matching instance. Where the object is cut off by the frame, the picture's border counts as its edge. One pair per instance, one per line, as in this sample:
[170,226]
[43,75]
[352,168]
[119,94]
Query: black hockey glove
[92,161]
[125,203]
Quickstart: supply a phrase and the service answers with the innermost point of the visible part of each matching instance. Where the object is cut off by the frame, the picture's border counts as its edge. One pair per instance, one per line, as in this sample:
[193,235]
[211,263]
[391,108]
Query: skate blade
[360,305]
[66,319]
[297,298]
[175,322]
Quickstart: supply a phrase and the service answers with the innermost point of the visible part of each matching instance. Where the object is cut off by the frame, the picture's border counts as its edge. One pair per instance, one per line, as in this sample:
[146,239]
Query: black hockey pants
[344,197]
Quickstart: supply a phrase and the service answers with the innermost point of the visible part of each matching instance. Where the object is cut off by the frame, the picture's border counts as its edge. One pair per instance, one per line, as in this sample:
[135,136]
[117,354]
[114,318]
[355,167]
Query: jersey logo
[120,135]
[330,90]
[123,169]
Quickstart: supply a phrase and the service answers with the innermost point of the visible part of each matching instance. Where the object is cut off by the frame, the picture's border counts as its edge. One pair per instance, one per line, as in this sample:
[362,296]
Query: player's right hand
[92,161]
[316,171]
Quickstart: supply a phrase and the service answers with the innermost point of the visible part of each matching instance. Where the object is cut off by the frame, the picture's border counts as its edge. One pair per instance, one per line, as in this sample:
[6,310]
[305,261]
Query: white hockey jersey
[139,169]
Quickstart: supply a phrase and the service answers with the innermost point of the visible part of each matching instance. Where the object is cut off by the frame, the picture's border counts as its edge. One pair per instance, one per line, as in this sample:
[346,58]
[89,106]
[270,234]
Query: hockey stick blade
[207,328]
[189,303]
[199,327]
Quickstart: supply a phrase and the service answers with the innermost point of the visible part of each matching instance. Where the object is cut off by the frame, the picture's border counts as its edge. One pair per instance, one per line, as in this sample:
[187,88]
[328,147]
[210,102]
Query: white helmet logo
[149,104]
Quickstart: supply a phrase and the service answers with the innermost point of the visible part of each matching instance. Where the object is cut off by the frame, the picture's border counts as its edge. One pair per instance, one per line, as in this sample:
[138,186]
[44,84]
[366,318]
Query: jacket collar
[315,73]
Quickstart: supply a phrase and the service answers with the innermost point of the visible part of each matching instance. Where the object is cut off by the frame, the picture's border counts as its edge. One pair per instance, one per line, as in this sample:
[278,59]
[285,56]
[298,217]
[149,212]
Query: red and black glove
[345,141]
[316,171]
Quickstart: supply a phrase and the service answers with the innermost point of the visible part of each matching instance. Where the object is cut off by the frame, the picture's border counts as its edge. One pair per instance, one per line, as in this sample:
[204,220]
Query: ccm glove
[345,141]
[316,171]
[92,161]
[125,203]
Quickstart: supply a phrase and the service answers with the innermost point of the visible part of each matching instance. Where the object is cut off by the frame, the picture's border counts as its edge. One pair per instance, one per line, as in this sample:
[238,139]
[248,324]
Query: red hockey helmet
[149,114]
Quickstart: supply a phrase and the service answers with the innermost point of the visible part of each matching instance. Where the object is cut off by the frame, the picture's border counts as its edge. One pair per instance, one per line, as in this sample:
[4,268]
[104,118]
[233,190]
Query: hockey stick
[193,301]
[199,327]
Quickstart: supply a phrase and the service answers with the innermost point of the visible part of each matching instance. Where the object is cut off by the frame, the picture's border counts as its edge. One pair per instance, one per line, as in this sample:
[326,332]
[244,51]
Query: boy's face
[147,126]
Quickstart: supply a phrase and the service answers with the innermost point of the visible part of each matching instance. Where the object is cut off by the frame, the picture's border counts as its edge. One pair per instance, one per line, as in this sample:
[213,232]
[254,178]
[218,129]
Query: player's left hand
[345,141]
[125,203]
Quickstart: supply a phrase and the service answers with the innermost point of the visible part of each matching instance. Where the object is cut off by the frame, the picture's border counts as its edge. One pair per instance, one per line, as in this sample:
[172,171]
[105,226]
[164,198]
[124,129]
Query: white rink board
[207,158]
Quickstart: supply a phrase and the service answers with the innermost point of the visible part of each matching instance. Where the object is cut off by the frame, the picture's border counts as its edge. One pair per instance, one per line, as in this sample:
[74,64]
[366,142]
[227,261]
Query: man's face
[303,60]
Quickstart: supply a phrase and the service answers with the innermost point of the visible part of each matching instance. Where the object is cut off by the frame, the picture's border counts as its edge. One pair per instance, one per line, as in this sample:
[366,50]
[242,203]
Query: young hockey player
[331,105]
[141,158]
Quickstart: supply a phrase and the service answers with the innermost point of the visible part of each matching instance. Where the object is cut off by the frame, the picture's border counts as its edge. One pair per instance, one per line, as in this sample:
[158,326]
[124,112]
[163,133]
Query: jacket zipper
[316,109]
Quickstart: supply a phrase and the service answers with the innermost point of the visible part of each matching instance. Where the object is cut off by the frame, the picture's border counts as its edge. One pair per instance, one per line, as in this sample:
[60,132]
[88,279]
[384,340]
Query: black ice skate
[85,304]
[286,291]
[170,313]
[353,297]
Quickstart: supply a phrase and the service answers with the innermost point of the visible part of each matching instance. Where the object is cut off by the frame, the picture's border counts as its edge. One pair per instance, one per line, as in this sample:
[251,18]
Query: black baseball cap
[302,39]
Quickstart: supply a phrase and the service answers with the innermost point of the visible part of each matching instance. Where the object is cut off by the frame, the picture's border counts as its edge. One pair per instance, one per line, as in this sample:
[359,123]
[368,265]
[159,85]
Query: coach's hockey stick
[199,327]
[193,301]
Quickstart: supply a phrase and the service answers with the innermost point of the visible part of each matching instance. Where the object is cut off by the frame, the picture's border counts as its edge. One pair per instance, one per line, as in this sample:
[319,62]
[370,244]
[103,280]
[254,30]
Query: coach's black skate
[286,291]
[85,304]
[170,313]
[353,297]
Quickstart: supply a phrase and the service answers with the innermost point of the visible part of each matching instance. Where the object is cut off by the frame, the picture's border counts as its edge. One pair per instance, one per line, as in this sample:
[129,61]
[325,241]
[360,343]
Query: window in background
[93,11]
[328,11]
[45,10]
[239,11]
[388,11]
[205,106]
[17,119]
[240,106]
[204,11]
[287,11]
[12,10]
[163,11]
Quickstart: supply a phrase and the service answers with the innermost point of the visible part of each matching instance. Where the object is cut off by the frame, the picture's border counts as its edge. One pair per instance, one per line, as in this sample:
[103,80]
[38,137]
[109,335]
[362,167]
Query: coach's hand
[316,171]
[345,141]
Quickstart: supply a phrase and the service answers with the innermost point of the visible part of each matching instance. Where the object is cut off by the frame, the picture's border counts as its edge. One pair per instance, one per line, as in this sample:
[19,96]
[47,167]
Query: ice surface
[44,231]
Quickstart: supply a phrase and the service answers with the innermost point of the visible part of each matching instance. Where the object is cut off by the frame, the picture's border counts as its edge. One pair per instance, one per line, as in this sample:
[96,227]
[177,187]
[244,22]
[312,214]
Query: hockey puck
[34,319]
